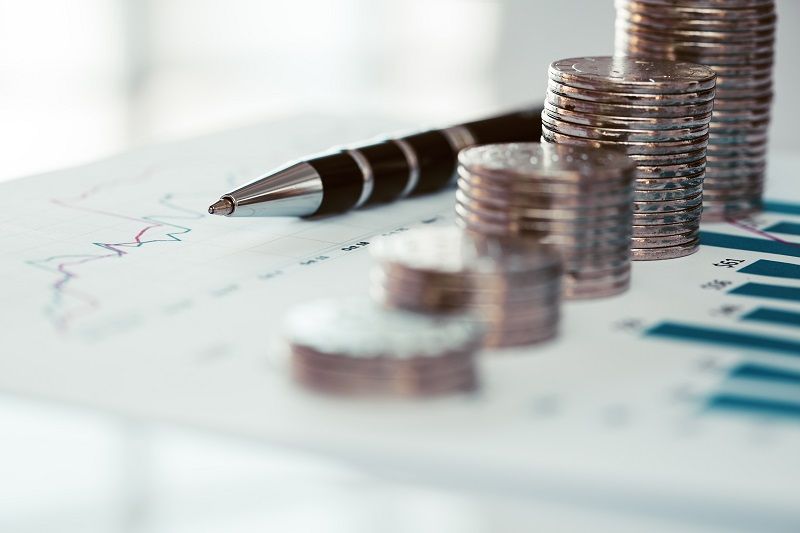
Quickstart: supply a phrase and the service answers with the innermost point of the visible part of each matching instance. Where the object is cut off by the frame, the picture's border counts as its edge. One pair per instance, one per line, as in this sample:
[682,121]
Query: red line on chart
[761,233]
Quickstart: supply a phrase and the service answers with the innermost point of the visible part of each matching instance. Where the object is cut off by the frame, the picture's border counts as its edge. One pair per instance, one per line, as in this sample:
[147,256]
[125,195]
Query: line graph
[68,302]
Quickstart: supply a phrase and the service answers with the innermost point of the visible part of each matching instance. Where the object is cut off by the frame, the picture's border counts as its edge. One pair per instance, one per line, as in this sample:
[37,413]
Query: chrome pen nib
[223,206]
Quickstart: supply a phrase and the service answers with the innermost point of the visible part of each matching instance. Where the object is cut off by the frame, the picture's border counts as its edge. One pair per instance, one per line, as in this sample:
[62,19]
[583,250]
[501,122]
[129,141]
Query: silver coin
[632,75]
[357,328]
[397,298]
[743,25]
[742,106]
[504,339]
[752,190]
[702,30]
[668,252]
[746,138]
[689,170]
[617,134]
[724,179]
[599,275]
[336,384]
[671,217]
[730,53]
[636,46]
[576,220]
[544,161]
[512,313]
[447,249]
[630,110]
[576,260]
[444,364]
[760,84]
[721,160]
[607,291]
[715,43]
[502,184]
[726,182]
[584,245]
[671,205]
[555,213]
[743,170]
[660,160]
[507,182]
[696,11]
[661,241]
[500,223]
[526,199]
[654,181]
[638,123]
[727,93]
[667,194]
[720,212]
[736,127]
[532,228]
[630,98]
[526,285]
[738,150]
[629,147]
[754,71]
[664,188]
[721,4]
[656,230]
[599,264]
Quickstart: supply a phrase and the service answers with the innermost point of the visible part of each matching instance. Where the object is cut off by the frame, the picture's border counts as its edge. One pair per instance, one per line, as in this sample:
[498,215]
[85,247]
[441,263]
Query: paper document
[119,292]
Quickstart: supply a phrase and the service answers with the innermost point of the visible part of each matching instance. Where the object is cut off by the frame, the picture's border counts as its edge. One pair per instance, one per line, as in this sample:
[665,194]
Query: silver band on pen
[367,175]
[413,166]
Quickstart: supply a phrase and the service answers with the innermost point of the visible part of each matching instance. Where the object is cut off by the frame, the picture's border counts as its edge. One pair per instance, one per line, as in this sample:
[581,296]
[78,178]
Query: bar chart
[763,295]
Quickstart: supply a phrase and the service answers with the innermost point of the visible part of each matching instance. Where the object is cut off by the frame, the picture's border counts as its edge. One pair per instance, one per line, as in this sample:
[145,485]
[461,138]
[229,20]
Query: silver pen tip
[223,206]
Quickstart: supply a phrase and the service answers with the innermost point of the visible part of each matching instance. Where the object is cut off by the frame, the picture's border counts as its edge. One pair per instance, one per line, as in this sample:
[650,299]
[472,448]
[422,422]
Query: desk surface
[125,296]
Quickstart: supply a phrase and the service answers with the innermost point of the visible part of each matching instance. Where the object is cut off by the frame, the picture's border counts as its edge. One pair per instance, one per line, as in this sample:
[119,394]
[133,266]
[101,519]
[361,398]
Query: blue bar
[763,290]
[773,206]
[776,269]
[733,402]
[773,316]
[765,373]
[724,337]
[790,228]
[752,244]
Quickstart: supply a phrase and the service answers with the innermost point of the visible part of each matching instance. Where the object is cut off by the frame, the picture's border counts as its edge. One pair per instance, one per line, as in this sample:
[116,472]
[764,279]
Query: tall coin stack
[353,347]
[510,286]
[735,38]
[657,112]
[577,199]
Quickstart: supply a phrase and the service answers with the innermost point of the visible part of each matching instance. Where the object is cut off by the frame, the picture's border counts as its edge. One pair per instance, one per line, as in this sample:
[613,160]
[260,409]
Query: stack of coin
[511,286]
[354,347]
[735,38]
[577,199]
[658,113]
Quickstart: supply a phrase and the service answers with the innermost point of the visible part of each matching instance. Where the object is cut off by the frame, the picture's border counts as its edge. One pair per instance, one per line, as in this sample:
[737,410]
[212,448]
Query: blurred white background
[82,79]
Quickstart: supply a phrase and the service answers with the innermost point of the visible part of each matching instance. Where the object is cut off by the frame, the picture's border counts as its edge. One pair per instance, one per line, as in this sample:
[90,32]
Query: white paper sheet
[119,292]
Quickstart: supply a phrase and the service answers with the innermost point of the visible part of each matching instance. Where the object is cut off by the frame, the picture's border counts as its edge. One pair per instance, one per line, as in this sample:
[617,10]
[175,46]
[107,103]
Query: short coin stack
[735,38]
[658,113]
[577,199]
[353,347]
[511,286]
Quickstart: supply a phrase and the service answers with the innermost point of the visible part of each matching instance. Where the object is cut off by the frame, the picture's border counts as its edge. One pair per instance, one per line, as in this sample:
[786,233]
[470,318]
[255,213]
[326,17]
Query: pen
[371,174]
